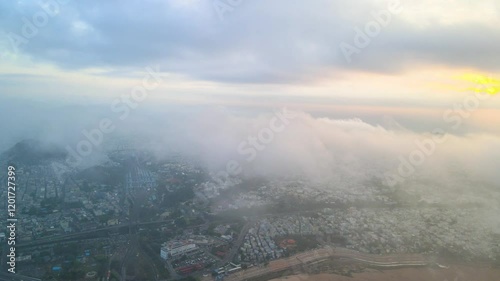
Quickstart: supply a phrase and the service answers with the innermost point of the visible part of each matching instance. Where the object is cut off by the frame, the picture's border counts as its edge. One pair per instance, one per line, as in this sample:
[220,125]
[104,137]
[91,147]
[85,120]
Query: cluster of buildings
[55,200]
[50,205]
[38,183]
[244,200]
[178,168]
[298,189]
[459,231]
[259,248]
[329,192]
[213,189]
[379,231]
[178,172]
[260,242]
[140,177]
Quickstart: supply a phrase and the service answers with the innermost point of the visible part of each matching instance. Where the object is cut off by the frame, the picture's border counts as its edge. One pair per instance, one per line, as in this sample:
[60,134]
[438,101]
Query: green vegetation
[172,199]
[51,204]
[108,176]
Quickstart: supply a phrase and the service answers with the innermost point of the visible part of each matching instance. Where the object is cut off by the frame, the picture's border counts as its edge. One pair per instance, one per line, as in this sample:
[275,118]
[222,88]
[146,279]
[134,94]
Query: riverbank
[453,273]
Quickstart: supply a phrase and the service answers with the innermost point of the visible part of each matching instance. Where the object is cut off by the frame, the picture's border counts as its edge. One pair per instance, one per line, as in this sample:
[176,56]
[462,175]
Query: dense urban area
[137,217]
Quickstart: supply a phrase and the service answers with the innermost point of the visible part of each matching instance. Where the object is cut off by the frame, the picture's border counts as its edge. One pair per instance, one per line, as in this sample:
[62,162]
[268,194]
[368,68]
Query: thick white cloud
[336,153]
[339,153]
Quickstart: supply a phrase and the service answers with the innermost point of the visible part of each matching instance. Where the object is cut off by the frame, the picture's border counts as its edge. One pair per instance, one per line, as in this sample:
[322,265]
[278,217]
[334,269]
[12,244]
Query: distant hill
[33,152]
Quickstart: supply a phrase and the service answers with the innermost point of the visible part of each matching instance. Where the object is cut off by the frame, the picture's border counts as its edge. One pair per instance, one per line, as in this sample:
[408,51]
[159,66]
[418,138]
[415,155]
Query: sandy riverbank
[453,273]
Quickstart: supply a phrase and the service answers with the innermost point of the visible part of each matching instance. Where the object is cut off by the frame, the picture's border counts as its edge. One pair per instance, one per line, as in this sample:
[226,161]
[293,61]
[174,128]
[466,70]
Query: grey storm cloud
[257,42]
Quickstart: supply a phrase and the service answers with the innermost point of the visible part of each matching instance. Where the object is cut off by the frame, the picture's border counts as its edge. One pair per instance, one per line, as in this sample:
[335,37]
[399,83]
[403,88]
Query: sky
[371,82]
[236,49]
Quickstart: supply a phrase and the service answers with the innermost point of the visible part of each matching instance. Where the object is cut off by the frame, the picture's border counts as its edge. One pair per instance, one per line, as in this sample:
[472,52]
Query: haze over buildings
[248,103]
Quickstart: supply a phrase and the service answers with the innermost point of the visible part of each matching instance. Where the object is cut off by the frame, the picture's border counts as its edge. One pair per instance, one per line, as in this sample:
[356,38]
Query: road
[134,249]
[237,244]
[400,260]
[60,238]
[108,268]
[133,239]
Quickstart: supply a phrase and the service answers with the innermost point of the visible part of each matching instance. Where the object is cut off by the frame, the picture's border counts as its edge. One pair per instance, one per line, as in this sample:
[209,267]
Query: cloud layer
[258,41]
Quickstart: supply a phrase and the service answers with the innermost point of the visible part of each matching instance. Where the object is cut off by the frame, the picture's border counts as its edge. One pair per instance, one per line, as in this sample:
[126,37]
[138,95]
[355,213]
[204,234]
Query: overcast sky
[272,53]
[277,47]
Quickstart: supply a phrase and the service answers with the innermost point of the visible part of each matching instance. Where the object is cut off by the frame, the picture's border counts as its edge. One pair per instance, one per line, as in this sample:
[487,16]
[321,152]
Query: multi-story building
[176,248]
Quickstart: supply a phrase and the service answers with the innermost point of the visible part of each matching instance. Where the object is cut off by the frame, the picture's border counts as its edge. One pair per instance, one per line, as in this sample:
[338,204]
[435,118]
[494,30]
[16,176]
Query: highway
[85,234]
[134,249]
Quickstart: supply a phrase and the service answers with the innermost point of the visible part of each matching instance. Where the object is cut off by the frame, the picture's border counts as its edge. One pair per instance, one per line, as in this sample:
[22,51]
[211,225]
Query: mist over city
[250,140]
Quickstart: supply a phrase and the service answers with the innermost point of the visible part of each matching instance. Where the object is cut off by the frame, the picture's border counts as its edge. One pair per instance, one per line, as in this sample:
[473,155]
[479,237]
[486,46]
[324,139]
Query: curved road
[401,260]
